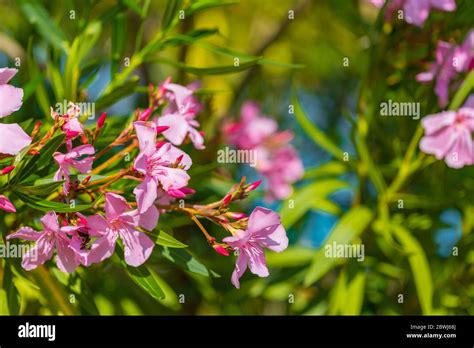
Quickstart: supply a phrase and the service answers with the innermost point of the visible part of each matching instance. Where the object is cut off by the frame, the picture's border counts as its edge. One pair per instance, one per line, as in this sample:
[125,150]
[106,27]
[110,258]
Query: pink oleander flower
[415,11]
[180,115]
[450,61]
[13,138]
[277,161]
[121,222]
[6,205]
[252,129]
[281,167]
[76,158]
[52,237]
[11,98]
[163,165]
[72,127]
[264,230]
[448,135]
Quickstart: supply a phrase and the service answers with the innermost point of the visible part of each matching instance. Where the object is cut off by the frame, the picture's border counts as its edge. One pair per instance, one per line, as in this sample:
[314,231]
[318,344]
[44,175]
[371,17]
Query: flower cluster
[160,170]
[277,160]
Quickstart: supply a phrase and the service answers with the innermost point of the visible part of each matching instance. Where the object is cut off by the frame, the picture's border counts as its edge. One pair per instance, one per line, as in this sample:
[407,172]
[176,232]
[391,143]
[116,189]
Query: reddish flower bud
[253,186]
[236,215]
[101,121]
[145,114]
[227,199]
[7,170]
[161,129]
[220,249]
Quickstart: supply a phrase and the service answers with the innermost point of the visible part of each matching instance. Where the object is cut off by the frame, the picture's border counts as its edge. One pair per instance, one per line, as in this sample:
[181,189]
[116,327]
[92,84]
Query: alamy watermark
[345,251]
[12,251]
[406,109]
[229,155]
[80,109]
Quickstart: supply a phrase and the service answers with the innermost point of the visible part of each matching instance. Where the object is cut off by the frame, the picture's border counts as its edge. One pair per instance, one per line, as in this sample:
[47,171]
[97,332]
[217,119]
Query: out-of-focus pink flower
[264,230]
[164,167]
[281,166]
[78,158]
[448,135]
[277,161]
[52,237]
[6,205]
[450,60]
[252,129]
[119,221]
[13,138]
[180,98]
[415,11]
[11,98]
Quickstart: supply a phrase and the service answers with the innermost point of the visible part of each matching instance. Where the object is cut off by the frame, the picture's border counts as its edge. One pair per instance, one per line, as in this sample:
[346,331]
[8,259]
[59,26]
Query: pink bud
[159,144]
[236,215]
[253,186]
[227,199]
[161,129]
[145,114]
[7,170]
[6,205]
[220,249]
[101,121]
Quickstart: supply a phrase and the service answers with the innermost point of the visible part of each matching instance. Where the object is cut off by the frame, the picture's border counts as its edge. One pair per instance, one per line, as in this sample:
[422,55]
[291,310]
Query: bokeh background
[334,61]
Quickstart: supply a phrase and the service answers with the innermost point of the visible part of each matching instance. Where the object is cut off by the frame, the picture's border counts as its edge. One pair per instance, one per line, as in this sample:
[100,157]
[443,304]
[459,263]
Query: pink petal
[137,246]
[98,226]
[6,74]
[101,249]
[178,127]
[149,219]
[11,99]
[13,139]
[146,194]
[434,123]
[265,226]
[240,267]
[445,5]
[146,134]
[26,233]
[39,254]
[50,222]
[416,11]
[115,205]
[66,257]
[256,261]
[461,153]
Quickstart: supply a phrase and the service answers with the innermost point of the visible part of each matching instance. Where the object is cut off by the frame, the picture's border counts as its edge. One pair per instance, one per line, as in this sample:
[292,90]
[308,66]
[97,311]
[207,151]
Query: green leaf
[12,295]
[133,5]
[46,206]
[185,260]
[40,190]
[349,227]
[118,93]
[354,302]
[419,266]
[119,39]
[167,240]
[147,279]
[47,28]
[35,163]
[171,12]
[312,196]
[215,70]
[292,257]
[462,93]
[331,168]
[314,132]
[201,5]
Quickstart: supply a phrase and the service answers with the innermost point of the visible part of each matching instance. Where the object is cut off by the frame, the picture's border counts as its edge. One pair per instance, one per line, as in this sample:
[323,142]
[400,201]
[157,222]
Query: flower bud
[220,249]
[101,121]
[252,186]
[7,170]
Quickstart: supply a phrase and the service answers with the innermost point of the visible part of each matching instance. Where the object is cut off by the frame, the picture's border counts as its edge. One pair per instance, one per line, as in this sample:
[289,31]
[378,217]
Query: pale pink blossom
[52,237]
[163,166]
[11,98]
[264,230]
[448,135]
[121,222]
[71,127]
[78,158]
[13,138]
